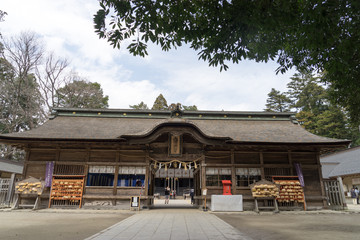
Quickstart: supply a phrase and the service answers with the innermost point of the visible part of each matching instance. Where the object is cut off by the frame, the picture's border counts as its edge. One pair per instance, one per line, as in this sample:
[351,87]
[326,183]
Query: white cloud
[67,29]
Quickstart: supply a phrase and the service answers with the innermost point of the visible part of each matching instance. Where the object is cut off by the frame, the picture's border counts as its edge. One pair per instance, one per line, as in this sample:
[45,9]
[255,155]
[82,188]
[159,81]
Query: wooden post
[57,154]
[342,192]
[37,203]
[256,205]
[27,158]
[10,191]
[86,170]
[321,179]
[291,163]
[233,173]
[116,175]
[147,173]
[203,174]
[262,165]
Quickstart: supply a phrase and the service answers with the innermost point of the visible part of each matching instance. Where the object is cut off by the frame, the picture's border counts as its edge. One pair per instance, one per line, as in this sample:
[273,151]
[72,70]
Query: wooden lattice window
[131,176]
[101,176]
[63,169]
[214,176]
[247,176]
[269,172]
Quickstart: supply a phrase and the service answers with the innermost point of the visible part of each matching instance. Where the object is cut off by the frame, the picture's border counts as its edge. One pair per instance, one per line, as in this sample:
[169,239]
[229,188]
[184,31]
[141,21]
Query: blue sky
[66,28]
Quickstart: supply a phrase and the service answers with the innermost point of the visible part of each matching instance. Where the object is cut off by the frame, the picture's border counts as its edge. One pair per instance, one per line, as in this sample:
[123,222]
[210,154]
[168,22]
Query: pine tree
[139,106]
[82,94]
[160,103]
[277,102]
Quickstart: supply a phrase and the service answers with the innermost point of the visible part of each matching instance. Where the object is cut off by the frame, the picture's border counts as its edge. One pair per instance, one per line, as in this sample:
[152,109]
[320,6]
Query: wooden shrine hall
[102,157]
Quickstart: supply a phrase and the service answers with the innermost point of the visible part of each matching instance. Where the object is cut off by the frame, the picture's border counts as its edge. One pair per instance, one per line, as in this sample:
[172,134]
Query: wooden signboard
[135,203]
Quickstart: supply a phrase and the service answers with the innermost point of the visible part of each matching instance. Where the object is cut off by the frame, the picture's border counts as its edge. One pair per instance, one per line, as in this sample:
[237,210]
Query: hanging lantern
[165,167]
[155,165]
[175,164]
[195,165]
[185,167]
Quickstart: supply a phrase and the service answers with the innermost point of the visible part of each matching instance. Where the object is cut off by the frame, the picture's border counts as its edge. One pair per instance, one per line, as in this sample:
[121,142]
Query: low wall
[226,203]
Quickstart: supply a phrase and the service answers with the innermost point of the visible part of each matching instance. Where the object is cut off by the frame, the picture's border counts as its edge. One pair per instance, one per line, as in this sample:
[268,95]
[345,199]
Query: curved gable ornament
[178,126]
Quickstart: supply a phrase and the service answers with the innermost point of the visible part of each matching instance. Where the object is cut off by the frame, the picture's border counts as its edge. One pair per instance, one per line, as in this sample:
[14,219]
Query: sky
[66,28]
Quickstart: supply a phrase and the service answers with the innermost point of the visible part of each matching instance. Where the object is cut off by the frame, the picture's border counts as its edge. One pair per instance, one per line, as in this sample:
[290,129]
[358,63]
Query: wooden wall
[135,156]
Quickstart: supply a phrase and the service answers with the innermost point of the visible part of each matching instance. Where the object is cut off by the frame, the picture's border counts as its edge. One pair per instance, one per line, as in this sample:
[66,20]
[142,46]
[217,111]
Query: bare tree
[21,92]
[52,76]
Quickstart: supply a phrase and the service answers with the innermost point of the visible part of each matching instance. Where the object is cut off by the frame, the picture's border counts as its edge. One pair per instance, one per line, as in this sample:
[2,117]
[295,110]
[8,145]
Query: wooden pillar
[86,167]
[147,174]
[321,179]
[116,175]
[203,175]
[291,163]
[26,162]
[233,173]
[57,154]
[262,165]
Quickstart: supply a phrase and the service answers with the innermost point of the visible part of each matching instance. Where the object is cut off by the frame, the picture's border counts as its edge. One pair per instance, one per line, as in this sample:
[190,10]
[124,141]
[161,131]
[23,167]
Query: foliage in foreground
[309,35]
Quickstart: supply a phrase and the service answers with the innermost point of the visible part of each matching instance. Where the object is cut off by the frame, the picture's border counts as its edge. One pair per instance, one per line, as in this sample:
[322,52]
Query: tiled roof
[348,162]
[11,167]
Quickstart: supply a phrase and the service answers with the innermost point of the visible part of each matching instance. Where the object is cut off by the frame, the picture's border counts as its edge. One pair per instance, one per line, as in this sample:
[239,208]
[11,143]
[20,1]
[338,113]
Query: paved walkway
[171,224]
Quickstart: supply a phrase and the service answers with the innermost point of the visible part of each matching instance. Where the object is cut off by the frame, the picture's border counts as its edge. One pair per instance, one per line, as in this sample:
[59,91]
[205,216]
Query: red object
[226,187]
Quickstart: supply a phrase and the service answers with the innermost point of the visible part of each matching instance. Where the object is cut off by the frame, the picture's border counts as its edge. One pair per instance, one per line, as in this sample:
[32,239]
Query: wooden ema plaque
[66,191]
[290,190]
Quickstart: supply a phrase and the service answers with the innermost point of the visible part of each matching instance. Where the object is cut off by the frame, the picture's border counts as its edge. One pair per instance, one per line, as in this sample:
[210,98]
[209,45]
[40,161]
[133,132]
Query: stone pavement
[170,223]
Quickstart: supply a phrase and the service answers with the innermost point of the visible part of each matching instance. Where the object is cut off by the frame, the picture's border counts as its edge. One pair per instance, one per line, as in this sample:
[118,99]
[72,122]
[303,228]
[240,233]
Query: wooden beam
[94,163]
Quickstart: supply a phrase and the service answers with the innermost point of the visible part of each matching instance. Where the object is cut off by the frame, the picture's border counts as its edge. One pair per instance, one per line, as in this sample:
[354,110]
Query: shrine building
[102,157]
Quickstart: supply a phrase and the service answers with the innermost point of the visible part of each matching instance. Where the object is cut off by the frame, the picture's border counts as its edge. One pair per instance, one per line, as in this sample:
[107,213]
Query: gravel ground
[56,225]
[296,226]
[79,224]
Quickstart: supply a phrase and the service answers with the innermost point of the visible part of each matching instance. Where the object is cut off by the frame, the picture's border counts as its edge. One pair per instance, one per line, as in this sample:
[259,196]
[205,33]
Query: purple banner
[49,173]
[300,174]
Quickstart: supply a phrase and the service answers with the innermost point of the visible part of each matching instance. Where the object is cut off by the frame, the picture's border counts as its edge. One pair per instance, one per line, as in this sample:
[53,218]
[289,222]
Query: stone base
[226,203]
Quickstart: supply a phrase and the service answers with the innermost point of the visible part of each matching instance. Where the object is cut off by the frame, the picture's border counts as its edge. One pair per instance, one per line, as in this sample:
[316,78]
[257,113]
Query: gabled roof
[118,124]
[11,166]
[348,162]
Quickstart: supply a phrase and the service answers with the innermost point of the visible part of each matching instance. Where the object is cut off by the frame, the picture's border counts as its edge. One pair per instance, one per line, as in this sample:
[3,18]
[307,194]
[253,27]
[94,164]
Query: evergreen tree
[190,108]
[277,102]
[141,105]
[82,94]
[160,103]
[316,113]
